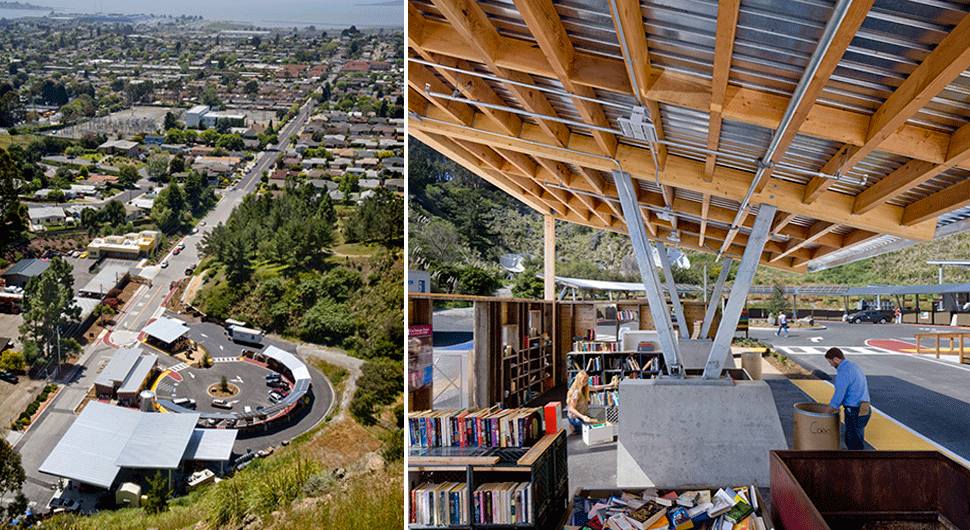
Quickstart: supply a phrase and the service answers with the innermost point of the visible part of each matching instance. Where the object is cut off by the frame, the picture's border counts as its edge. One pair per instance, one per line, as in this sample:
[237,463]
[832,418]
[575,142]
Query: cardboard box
[553,416]
[599,433]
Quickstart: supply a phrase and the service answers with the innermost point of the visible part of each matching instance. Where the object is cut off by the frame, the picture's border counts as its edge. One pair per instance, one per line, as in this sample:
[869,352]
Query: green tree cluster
[379,384]
[48,304]
[380,218]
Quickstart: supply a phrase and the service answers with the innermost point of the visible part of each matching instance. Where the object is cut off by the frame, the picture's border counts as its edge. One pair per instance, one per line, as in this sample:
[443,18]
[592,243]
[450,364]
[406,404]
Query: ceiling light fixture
[639,125]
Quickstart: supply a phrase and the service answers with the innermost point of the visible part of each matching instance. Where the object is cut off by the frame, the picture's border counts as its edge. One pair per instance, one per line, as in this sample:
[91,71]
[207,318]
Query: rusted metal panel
[854,490]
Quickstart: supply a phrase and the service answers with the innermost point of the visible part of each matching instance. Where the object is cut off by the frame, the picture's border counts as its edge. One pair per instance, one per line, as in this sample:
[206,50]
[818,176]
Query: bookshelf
[537,475]
[527,353]
[604,360]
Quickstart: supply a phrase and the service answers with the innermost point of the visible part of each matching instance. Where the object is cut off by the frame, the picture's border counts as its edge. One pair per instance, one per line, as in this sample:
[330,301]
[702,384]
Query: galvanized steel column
[648,271]
[739,292]
[716,296]
[672,289]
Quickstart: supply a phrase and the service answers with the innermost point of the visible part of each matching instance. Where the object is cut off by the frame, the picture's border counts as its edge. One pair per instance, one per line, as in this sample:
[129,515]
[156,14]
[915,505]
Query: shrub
[32,408]
[42,397]
[114,293]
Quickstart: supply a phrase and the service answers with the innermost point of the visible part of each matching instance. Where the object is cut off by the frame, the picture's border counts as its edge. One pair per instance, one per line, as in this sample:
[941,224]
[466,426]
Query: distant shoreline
[22,6]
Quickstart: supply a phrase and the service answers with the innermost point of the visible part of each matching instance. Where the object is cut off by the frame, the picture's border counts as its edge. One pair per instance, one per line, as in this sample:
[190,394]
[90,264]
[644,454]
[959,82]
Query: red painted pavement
[892,345]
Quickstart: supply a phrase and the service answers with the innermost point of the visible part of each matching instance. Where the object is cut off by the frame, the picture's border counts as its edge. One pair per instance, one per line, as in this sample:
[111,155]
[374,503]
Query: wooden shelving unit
[527,353]
[602,366]
[543,466]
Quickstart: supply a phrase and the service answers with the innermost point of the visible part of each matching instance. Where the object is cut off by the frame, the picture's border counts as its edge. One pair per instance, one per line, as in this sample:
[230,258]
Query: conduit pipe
[838,15]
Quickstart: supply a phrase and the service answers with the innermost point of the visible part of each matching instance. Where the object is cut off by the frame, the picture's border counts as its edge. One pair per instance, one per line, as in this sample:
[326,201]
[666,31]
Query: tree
[177,164]
[778,302]
[12,477]
[379,218]
[209,136]
[252,86]
[12,223]
[157,495]
[127,175]
[171,122]
[12,361]
[12,110]
[157,166]
[114,213]
[49,304]
[232,142]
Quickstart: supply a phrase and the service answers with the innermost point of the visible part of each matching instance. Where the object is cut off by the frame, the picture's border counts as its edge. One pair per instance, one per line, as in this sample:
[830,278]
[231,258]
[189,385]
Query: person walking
[852,394]
[577,401]
[899,316]
[782,324]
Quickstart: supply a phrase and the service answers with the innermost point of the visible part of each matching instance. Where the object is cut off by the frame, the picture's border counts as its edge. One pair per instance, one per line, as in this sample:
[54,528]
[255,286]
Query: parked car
[190,270]
[221,403]
[10,377]
[164,264]
[275,396]
[176,251]
[869,315]
[68,505]
[273,376]
[181,245]
[83,254]
[279,383]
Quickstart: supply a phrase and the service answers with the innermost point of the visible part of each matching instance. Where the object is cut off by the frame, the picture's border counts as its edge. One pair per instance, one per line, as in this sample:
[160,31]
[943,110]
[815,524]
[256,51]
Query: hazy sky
[330,13]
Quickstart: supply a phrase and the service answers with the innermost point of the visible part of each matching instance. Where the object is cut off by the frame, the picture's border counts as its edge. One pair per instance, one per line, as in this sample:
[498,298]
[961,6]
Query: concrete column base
[696,433]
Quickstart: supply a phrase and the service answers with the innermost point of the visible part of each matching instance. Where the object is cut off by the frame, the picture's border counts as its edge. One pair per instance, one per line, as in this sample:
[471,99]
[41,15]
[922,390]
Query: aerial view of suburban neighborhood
[201,272]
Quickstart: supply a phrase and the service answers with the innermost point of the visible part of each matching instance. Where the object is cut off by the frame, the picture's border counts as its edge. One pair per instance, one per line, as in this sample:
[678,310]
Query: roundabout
[253,393]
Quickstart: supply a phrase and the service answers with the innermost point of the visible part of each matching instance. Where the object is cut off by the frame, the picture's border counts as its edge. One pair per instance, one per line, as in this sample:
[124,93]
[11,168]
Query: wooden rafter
[547,28]
[694,92]
[688,174]
[947,61]
[727,25]
[628,20]
[476,30]
[816,231]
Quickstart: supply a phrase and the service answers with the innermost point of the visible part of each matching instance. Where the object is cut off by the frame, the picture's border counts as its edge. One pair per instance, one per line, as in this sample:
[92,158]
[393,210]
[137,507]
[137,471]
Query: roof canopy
[166,329]
[714,109]
[104,438]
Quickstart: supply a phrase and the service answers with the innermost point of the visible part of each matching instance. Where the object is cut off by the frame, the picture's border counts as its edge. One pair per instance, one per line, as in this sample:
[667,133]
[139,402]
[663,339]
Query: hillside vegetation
[459,226]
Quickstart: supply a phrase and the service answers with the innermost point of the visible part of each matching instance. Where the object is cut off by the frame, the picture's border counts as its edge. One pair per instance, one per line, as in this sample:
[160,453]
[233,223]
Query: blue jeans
[782,327]
[855,429]
[577,424]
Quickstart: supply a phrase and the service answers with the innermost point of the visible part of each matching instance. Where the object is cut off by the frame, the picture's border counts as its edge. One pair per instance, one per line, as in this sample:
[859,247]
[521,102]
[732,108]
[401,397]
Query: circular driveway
[194,382]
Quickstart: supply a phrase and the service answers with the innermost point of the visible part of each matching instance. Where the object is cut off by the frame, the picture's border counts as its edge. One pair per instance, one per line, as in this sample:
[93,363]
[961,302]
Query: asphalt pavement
[927,396]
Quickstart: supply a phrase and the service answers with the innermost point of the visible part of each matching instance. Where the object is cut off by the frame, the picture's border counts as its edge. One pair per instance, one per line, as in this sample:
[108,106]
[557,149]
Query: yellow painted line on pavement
[147,304]
[883,432]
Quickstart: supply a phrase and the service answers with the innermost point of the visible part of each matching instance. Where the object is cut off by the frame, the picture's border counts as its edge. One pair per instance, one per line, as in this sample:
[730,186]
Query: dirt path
[352,364]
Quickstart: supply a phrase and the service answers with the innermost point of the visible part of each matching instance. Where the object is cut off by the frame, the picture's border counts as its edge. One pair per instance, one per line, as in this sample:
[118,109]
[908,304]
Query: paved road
[929,396]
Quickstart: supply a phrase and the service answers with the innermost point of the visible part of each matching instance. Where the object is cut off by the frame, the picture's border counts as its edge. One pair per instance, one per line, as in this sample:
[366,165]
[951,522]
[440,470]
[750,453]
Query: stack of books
[725,509]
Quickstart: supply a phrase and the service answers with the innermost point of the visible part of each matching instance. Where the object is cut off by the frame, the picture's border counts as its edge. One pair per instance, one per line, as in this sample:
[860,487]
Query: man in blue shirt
[851,392]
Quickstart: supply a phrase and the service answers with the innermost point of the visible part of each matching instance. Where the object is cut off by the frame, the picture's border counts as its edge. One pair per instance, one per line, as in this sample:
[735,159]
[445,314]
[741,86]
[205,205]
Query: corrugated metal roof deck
[893,44]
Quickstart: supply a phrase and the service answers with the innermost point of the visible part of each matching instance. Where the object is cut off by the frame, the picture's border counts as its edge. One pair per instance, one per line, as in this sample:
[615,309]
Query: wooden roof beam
[475,29]
[686,174]
[628,21]
[547,28]
[913,174]
[743,105]
[727,26]
[941,202]
[419,76]
[947,61]
[705,208]
[817,230]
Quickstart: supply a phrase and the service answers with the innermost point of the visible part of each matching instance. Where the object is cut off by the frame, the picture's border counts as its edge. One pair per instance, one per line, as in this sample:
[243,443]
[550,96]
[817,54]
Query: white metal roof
[166,329]
[287,359]
[210,445]
[107,279]
[104,438]
[138,373]
[159,441]
[119,366]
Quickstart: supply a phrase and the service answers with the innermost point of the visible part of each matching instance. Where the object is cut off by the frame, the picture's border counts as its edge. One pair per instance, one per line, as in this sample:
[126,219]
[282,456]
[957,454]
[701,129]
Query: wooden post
[549,256]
